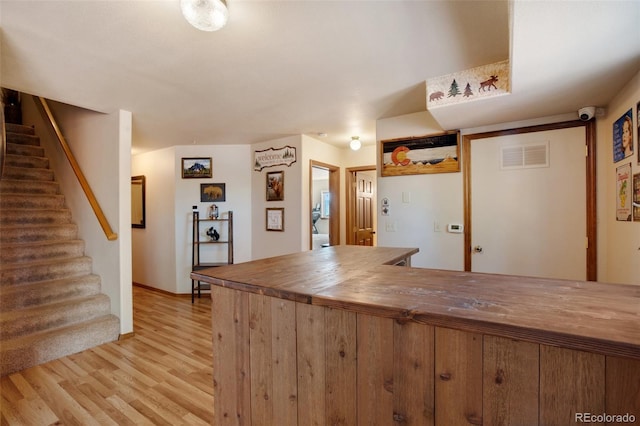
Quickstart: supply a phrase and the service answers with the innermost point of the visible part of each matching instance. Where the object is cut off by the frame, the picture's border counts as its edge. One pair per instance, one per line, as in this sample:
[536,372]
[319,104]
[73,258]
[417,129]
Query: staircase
[50,302]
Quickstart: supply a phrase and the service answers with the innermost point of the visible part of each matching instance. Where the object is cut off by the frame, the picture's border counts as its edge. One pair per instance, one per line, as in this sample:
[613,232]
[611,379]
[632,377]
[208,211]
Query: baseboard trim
[159,290]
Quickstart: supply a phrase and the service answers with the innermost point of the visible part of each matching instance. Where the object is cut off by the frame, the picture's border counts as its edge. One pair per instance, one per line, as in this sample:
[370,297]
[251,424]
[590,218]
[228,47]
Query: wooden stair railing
[43,106]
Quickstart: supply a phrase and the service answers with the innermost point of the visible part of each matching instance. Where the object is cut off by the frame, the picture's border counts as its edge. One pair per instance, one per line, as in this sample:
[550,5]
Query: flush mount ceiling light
[355,143]
[205,15]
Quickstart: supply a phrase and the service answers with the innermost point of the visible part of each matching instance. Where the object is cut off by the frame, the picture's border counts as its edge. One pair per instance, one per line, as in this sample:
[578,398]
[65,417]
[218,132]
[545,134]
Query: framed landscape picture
[196,168]
[421,155]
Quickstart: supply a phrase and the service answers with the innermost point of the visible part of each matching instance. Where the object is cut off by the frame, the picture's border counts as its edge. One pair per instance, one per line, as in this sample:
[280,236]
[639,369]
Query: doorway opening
[324,201]
[361,205]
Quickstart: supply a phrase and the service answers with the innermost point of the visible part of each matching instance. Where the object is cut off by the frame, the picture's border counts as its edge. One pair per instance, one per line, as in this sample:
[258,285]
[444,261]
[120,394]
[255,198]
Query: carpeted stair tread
[53,315]
[35,217]
[21,149]
[50,291]
[27,161]
[28,272]
[40,250]
[11,172]
[20,128]
[25,351]
[22,138]
[22,233]
[35,201]
[27,187]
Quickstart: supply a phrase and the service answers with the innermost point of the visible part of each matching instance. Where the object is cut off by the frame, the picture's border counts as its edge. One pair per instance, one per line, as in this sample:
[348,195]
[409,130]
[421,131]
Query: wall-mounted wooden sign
[274,157]
[421,154]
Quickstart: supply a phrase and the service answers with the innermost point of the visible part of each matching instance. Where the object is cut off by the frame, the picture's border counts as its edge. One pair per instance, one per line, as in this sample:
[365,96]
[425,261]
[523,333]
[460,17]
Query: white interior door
[528,204]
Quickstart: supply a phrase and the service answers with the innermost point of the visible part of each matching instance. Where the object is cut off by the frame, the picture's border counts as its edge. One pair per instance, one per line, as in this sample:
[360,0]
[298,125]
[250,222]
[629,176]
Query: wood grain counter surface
[596,317]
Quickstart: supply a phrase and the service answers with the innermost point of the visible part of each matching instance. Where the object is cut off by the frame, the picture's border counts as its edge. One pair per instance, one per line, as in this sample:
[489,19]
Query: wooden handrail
[48,115]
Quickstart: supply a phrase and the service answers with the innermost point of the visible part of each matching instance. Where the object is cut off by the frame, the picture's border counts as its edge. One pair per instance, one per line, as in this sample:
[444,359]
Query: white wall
[98,141]
[619,248]
[273,243]
[154,262]
[431,198]
[162,250]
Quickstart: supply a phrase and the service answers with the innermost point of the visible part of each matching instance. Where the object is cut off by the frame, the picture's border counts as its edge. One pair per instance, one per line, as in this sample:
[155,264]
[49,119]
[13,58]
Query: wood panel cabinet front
[280,362]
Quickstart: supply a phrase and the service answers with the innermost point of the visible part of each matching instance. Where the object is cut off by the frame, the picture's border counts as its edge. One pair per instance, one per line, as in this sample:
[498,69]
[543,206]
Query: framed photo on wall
[210,192]
[636,197]
[421,155]
[623,193]
[623,137]
[196,168]
[275,186]
[275,219]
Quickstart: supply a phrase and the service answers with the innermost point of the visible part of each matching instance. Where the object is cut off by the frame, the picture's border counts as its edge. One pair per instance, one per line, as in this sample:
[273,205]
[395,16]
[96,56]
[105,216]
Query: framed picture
[275,219]
[636,197]
[275,186]
[210,192]
[624,193]
[421,155]
[196,168]
[623,137]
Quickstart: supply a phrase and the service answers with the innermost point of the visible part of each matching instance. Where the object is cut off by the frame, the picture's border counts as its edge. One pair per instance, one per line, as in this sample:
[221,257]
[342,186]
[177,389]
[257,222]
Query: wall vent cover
[524,156]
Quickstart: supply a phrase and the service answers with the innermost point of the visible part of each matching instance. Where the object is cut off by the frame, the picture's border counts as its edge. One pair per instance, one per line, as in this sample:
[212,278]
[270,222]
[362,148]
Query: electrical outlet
[391,226]
[437,227]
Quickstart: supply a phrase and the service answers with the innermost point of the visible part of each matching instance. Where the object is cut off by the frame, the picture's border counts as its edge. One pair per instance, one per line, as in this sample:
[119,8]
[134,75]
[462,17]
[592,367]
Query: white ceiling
[282,68]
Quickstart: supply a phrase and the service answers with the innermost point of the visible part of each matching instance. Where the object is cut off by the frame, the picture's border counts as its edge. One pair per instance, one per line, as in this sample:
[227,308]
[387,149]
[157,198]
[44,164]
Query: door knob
[477,249]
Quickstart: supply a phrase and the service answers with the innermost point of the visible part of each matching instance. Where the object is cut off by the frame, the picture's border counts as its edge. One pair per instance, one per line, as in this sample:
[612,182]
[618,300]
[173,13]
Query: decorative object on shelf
[213,234]
[205,15]
[196,168]
[275,219]
[355,143]
[275,186]
[214,254]
[213,192]
[274,157]
[213,211]
[421,154]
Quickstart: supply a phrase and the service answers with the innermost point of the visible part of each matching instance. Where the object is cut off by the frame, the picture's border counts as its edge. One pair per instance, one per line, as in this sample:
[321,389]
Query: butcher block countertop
[595,317]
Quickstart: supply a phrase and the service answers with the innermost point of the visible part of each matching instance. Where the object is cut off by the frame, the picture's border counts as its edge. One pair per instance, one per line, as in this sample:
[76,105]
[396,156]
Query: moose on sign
[489,83]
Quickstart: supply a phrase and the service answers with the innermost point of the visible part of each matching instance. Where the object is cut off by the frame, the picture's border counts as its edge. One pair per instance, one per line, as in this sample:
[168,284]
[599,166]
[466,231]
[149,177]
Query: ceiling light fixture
[205,15]
[355,143]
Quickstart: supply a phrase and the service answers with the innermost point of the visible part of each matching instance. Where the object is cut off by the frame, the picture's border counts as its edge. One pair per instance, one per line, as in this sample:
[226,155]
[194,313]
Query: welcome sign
[274,157]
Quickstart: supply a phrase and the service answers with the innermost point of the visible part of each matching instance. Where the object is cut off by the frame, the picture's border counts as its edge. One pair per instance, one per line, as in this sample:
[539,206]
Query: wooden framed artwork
[210,192]
[421,154]
[275,186]
[275,219]
[196,168]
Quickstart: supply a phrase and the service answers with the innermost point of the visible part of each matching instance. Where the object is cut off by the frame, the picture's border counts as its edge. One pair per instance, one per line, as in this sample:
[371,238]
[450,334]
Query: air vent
[524,156]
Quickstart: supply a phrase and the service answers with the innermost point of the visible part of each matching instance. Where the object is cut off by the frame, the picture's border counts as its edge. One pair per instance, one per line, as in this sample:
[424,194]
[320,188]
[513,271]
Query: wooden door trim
[334,208]
[591,207]
[350,197]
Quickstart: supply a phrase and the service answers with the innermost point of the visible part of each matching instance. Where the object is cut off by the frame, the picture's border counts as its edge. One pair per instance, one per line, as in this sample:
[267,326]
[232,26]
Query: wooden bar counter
[342,336]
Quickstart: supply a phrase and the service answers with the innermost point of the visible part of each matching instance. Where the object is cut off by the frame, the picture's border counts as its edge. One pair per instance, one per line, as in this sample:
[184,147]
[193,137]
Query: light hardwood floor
[161,376]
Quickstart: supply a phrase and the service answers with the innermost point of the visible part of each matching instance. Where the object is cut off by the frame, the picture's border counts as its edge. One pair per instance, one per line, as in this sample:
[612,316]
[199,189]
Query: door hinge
[586,150]
[586,242]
